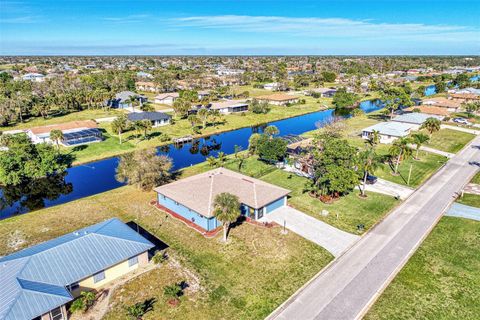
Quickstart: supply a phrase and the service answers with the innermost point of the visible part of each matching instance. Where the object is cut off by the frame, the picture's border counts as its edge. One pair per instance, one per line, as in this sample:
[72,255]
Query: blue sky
[239,27]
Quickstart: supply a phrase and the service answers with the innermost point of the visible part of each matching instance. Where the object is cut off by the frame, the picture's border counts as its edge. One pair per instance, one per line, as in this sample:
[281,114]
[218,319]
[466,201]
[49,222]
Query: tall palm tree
[374,138]
[418,139]
[143,126]
[119,125]
[432,125]
[56,136]
[203,115]
[226,210]
[271,131]
[369,162]
[400,149]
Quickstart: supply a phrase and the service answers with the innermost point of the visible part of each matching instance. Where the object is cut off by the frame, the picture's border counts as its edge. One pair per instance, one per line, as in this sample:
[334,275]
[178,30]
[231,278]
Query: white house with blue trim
[38,282]
[192,198]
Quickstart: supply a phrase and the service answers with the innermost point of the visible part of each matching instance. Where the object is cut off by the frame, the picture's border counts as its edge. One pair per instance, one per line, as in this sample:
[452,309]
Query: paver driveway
[334,240]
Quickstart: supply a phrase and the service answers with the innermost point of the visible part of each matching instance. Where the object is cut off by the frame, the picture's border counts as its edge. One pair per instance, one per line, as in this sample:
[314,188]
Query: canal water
[99,176]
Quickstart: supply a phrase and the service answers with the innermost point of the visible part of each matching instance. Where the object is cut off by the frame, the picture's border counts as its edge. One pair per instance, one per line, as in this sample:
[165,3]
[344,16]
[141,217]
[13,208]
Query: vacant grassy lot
[449,140]
[441,280]
[244,279]
[470,200]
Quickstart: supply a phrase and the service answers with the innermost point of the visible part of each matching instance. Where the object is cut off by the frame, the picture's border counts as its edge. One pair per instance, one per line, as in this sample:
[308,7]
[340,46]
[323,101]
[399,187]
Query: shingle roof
[125,95]
[415,117]
[136,116]
[277,97]
[33,280]
[228,104]
[395,129]
[198,192]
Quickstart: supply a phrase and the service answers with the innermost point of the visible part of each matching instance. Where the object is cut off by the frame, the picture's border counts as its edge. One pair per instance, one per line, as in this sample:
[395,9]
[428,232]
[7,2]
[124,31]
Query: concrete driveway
[463,211]
[334,240]
[467,130]
[390,188]
[439,152]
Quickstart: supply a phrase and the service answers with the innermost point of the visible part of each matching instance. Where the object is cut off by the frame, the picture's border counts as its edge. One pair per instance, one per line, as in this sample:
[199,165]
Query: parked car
[371,179]
[461,121]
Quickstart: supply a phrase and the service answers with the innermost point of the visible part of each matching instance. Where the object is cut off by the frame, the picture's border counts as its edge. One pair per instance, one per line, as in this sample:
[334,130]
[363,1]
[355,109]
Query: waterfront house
[389,131]
[124,99]
[431,110]
[279,99]
[440,102]
[323,92]
[229,106]
[167,98]
[156,118]
[191,199]
[38,282]
[74,133]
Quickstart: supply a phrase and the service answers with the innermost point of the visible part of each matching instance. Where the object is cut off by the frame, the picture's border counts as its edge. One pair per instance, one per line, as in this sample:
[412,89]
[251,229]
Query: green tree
[471,108]
[172,291]
[203,115]
[343,99]
[56,136]
[431,125]
[393,98]
[84,302]
[226,209]
[271,149]
[334,164]
[221,157]
[139,309]
[328,76]
[119,125]
[419,138]
[144,168]
[181,107]
[212,161]
[143,126]
[400,149]
[253,143]
[271,131]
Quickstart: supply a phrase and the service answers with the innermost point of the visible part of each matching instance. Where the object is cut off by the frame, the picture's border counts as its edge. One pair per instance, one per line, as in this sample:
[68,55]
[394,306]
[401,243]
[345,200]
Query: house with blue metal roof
[38,282]
[415,118]
[389,131]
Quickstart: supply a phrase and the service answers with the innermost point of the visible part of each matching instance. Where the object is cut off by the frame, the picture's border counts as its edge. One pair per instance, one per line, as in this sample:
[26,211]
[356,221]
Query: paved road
[347,288]
[334,240]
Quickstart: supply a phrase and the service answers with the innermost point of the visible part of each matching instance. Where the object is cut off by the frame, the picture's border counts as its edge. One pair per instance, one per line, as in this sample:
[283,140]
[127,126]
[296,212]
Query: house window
[133,261]
[57,314]
[97,277]
[74,286]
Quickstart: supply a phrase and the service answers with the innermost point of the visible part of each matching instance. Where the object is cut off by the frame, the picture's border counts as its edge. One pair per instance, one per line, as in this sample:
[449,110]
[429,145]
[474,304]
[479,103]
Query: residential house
[146,86]
[440,102]
[271,86]
[192,198]
[124,99]
[389,131]
[279,99]
[74,133]
[431,110]
[37,77]
[38,282]
[324,92]
[464,97]
[301,159]
[167,98]
[415,118]
[156,118]
[229,106]
[144,75]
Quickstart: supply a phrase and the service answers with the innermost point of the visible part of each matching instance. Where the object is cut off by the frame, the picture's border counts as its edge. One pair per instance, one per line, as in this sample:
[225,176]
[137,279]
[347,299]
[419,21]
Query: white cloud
[128,19]
[331,28]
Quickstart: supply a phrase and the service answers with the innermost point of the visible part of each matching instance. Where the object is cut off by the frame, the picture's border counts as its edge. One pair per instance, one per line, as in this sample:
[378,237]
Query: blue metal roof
[415,117]
[33,280]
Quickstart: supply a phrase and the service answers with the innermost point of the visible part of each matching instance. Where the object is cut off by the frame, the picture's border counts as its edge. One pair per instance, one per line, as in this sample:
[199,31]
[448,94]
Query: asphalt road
[350,285]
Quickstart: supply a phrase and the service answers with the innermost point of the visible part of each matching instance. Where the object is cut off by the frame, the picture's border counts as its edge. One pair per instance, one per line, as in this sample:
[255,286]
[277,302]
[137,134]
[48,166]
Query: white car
[461,121]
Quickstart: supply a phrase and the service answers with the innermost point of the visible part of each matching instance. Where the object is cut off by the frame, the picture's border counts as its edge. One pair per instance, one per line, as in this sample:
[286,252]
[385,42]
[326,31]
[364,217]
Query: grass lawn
[220,275]
[441,280]
[56,119]
[476,179]
[449,140]
[468,199]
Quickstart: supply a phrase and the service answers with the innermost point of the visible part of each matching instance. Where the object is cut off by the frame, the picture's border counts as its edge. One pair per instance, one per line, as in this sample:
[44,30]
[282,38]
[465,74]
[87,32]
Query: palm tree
[221,158]
[119,125]
[143,126]
[419,138]
[431,124]
[374,138]
[193,119]
[212,162]
[369,161]
[271,131]
[203,115]
[400,149]
[226,210]
[56,136]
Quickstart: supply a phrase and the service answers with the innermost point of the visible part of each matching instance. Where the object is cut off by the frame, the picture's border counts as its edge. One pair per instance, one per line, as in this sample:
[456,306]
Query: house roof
[90,124]
[136,116]
[198,192]
[278,96]
[33,280]
[430,110]
[323,90]
[162,96]
[441,102]
[415,117]
[471,96]
[125,95]
[395,129]
[228,104]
